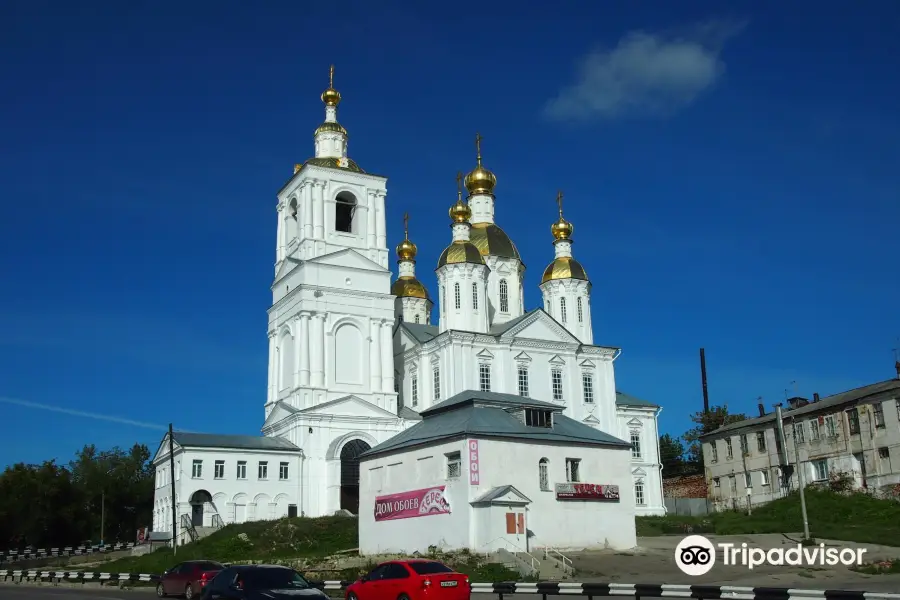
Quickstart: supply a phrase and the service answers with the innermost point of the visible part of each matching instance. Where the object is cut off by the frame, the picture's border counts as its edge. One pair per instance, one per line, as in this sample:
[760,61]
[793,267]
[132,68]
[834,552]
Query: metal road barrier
[10,556]
[543,588]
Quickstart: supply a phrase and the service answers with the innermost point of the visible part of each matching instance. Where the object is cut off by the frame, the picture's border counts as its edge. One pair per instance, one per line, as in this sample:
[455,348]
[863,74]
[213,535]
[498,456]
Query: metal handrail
[535,562]
[189,527]
[565,560]
[218,522]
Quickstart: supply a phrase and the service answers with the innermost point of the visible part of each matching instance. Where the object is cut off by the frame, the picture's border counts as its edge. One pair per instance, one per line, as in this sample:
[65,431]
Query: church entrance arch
[350,474]
[198,499]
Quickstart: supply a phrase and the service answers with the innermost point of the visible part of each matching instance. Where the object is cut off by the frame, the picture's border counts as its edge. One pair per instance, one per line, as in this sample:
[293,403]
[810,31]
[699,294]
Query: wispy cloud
[83,413]
[646,74]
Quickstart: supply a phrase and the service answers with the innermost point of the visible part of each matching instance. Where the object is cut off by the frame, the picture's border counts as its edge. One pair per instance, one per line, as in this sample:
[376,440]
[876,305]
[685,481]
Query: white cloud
[645,74]
[83,413]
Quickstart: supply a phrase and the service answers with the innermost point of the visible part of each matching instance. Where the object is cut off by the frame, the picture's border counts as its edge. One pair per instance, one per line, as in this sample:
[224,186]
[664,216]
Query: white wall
[645,467]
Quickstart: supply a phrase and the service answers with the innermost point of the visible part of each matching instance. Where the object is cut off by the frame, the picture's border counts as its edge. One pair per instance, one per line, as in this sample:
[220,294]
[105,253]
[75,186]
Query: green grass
[854,517]
[879,568]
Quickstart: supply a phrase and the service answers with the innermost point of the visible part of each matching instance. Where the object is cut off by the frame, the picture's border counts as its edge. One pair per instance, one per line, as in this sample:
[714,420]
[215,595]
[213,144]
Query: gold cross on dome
[459,184]
[478,147]
[331,77]
[406,225]
[559,199]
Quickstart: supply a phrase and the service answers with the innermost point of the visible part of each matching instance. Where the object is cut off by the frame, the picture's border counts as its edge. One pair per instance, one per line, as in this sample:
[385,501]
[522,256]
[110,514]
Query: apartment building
[854,433]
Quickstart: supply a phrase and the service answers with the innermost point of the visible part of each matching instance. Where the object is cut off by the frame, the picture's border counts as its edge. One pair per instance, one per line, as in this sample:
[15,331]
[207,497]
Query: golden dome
[493,241]
[460,252]
[564,268]
[480,180]
[562,229]
[331,97]
[460,212]
[406,250]
[332,127]
[409,287]
[332,163]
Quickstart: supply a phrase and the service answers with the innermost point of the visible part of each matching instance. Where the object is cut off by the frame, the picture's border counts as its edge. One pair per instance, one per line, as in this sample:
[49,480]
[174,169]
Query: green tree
[706,422]
[671,453]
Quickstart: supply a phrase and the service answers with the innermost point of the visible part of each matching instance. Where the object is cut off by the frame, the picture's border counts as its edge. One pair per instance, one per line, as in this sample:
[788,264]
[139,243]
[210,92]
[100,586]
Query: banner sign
[417,503]
[587,491]
[474,475]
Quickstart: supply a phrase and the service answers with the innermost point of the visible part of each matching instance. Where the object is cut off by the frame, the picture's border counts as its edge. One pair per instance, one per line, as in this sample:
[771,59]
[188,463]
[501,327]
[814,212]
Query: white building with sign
[354,358]
[488,471]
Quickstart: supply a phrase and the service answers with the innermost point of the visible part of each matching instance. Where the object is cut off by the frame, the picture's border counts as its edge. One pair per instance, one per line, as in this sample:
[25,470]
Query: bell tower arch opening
[350,474]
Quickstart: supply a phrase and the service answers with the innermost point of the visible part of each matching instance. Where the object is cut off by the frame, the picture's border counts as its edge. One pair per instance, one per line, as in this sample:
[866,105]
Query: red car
[187,579]
[411,579]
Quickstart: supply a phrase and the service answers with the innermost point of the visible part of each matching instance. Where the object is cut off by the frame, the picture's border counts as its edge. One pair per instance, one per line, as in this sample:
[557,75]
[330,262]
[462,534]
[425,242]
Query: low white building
[225,479]
[486,471]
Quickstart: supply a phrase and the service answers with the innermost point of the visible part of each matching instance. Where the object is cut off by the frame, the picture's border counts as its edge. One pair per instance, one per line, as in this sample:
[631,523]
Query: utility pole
[800,478]
[172,484]
[102,516]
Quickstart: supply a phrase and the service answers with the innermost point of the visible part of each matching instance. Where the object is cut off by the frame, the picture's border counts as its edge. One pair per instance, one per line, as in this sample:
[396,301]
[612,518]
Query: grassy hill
[851,517]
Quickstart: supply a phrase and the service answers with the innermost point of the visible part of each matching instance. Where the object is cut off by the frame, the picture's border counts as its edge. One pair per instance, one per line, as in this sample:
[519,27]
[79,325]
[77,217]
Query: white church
[354,357]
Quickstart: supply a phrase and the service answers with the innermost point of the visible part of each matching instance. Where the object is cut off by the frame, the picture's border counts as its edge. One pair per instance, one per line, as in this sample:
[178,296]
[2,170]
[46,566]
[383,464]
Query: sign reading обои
[417,503]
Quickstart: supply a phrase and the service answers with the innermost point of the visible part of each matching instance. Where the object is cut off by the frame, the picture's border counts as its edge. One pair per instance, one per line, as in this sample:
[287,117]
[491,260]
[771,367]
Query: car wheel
[402,597]
[352,596]
[160,591]
[189,592]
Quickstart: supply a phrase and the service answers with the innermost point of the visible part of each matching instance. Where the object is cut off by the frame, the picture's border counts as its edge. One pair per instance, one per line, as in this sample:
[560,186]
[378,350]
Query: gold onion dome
[493,241]
[562,230]
[460,212]
[409,287]
[330,127]
[460,252]
[564,267]
[406,250]
[480,180]
[331,97]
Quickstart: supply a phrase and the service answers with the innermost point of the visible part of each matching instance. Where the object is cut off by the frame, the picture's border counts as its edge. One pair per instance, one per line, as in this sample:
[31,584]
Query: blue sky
[730,168]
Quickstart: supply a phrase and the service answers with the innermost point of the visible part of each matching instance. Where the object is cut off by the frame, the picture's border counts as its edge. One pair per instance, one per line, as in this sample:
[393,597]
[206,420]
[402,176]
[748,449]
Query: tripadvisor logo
[696,555]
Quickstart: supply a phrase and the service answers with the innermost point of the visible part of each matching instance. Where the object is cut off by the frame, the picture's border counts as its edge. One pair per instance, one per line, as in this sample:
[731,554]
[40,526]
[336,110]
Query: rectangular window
[715,451]
[732,483]
[764,477]
[635,444]
[219,472]
[557,383]
[197,469]
[484,377]
[813,429]
[745,448]
[242,469]
[748,482]
[820,470]
[884,452]
[437,383]
[414,384]
[717,483]
[538,418]
[853,420]
[587,383]
[761,441]
[523,381]
[572,470]
[830,426]
[729,451]
[798,432]
[454,465]
[263,471]
[283,471]
[639,493]
[878,414]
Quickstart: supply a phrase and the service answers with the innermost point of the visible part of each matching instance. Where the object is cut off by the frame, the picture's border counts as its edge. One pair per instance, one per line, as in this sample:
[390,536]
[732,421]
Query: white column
[387,364]
[282,234]
[375,355]
[317,350]
[307,209]
[303,349]
[371,227]
[296,342]
[272,391]
[379,220]
[319,210]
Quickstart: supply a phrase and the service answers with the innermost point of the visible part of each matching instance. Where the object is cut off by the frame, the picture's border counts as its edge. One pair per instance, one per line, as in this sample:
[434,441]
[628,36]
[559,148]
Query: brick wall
[690,486]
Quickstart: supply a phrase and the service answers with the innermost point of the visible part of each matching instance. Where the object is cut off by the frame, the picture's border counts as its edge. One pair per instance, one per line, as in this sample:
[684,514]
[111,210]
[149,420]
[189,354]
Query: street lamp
[103,508]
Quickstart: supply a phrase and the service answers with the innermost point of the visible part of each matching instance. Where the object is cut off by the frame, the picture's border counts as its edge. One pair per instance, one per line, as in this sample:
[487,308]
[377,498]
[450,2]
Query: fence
[543,588]
[11,556]
[693,507]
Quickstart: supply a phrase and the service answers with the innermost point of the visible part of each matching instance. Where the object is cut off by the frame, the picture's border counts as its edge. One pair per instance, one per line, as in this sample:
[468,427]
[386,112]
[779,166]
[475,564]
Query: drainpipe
[783,458]
[301,483]
[662,495]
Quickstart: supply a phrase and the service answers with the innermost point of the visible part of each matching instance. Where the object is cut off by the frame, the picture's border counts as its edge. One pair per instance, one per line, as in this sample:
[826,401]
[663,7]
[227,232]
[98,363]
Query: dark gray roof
[422,333]
[871,392]
[486,415]
[626,400]
[502,328]
[406,412]
[497,492]
[243,442]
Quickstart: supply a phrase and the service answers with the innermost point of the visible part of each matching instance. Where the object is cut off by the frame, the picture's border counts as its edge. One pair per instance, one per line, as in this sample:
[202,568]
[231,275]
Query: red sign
[586,491]
[474,475]
[417,503]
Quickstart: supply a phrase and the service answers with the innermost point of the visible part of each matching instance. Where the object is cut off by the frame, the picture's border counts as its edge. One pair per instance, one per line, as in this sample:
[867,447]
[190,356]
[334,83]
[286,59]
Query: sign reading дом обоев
[587,491]
[417,503]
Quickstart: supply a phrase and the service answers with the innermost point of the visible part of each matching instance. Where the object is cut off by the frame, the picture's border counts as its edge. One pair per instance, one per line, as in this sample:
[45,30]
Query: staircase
[547,568]
[217,524]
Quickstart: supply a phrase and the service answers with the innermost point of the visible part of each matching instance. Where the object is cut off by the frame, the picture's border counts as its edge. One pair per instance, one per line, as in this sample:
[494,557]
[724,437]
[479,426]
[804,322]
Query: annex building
[358,356]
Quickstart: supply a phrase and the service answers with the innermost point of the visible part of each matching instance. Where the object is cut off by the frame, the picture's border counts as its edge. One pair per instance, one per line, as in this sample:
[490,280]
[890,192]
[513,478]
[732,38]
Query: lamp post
[103,508]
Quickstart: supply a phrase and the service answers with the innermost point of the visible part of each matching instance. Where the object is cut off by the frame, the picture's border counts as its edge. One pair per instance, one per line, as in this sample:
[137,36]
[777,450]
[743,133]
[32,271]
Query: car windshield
[429,568]
[272,579]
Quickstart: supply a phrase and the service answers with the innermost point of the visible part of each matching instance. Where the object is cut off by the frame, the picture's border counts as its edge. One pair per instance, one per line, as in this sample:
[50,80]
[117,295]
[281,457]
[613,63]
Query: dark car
[260,582]
[187,579]
[411,579]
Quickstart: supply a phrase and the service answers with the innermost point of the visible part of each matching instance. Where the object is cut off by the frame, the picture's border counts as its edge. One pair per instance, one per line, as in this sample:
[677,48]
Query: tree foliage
[671,453]
[706,422]
[50,505]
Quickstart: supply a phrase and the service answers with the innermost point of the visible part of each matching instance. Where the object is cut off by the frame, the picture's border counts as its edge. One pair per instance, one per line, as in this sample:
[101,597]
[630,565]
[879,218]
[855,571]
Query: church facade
[354,357]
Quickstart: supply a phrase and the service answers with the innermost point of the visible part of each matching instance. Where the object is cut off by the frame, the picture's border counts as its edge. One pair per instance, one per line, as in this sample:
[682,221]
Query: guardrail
[11,556]
[542,588]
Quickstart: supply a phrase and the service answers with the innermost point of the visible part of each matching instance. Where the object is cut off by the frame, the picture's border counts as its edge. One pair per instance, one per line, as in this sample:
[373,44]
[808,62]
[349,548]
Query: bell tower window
[504,296]
[344,211]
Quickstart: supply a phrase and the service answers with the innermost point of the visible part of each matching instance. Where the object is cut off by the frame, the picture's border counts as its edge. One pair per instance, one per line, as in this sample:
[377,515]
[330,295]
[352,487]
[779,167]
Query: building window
[761,441]
[263,471]
[538,418]
[454,465]
[474,296]
[745,449]
[748,482]
[242,469]
[813,429]
[764,477]
[344,209]
[557,384]
[580,308]
[820,469]
[414,385]
[504,296]
[732,483]
[587,384]
[437,383]
[197,469]
[283,471]
[878,412]
[219,469]
[416,319]
[456,296]
[830,426]
[729,451]
[717,483]
[639,493]
[635,444]
[715,451]
[884,452]
[562,309]
[484,377]
[798,432]
[523,381]
[853,420]
[544,474]
[573,474]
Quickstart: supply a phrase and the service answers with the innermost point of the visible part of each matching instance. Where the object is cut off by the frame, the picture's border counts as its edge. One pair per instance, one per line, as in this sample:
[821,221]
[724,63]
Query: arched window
[417,318]
[344,210]
[562,309]
[544,474]
[457,296]
[504,296]
[474,296]
[580,309]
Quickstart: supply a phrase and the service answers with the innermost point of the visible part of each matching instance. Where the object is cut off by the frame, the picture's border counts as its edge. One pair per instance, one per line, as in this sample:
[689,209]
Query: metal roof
[242,442]
[488,399]
[498,492]
[626,400]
